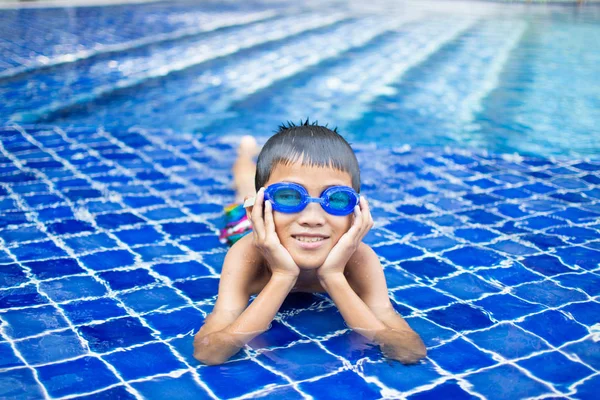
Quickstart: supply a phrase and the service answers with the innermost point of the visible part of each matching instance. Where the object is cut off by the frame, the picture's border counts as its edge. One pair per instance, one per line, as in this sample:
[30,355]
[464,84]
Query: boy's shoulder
[245,262]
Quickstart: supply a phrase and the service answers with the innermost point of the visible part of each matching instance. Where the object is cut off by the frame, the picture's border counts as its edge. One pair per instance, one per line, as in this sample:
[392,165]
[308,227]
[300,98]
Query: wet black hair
[314,144]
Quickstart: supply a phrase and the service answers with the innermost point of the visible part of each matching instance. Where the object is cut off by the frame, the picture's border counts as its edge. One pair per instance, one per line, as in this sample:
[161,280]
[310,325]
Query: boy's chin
[309,262]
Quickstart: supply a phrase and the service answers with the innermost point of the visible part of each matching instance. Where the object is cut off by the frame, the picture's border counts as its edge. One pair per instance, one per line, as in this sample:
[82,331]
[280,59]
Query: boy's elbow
[209,359]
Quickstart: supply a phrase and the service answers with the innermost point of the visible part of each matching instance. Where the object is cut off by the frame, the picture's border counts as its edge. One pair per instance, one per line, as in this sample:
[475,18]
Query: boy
[308,222]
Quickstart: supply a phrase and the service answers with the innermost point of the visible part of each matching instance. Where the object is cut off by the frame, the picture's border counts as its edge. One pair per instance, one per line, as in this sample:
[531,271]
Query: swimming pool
[120,125]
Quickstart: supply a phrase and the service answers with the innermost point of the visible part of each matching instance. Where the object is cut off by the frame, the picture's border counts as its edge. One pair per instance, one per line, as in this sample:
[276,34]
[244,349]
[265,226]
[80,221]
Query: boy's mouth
[310,241]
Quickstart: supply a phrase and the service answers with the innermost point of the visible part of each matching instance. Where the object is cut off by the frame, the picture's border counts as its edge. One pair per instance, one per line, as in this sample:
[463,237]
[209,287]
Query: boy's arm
[371,314]
[231,325]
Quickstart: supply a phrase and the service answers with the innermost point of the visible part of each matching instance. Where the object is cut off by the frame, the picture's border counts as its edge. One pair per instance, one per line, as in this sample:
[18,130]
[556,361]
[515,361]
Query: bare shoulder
[243,264]
[364,271]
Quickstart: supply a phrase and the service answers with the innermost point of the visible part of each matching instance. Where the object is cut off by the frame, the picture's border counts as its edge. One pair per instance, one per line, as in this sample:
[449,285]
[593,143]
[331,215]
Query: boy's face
[310,234]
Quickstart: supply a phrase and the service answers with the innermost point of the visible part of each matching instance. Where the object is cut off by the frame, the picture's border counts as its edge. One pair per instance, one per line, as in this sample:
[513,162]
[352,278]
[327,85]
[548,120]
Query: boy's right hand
[266,239]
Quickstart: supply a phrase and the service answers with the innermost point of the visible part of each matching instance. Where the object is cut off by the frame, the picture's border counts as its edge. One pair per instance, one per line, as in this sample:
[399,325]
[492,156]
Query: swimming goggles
[289,198]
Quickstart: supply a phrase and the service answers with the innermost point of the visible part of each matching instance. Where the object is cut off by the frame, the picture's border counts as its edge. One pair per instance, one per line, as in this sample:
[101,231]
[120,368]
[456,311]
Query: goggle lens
[339,200]
[287,197]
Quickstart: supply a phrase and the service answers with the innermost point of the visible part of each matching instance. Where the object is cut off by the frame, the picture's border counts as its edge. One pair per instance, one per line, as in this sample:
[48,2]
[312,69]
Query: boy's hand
[402,345]
[344,249]
[266,239]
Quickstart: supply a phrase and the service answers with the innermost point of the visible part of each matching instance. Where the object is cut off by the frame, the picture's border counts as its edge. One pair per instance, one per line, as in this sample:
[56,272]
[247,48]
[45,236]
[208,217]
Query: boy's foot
[248,146]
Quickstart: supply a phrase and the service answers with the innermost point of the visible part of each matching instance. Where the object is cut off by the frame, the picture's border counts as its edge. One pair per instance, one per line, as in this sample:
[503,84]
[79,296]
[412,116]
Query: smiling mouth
[309,239]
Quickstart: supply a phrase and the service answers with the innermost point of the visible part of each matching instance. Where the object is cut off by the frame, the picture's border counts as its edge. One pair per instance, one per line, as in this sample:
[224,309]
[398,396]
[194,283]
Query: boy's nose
[312,215]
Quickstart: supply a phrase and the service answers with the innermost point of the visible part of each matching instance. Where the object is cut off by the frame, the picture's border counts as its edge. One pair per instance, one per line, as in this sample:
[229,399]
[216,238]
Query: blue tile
[428,267]
[248,375]
[514,248]
[481,217]
[512,210]
[505,307]
[509,275]
[203,243]
[470,257]
[316,323]
[176,322]
[460,317]
[72,288]
[108,260]
[466,286]
[118,392]
[396,277]
[177,229]
[545,264]
[144,235]
[54,268]
[477,235]
[120,280]
[112,221]
[180,270]
[183,387]
[301,361]
[8,357]
[547,293]
[587,313]
[436,243]
[38,251]
[446,220]
[52,347]
[577,215]
[21,297]
[21,234]
[447,390]
[199,289]
[19,384]
[506,382]
[431,333]
[164,214]
[346,384]
[586,350]
[554,326]
[459,356]
[353,347]
[399,377]
[12,275]
[69,227]
[540,222]
[152,299]
[508,340]
[405,226]
[158,252]
[122,332]
[31,321]
[78,376]
[143,361]
[555,368]
[588,282]
[396,252]
[53,213]
[81,312]
[577,256]
[422,297]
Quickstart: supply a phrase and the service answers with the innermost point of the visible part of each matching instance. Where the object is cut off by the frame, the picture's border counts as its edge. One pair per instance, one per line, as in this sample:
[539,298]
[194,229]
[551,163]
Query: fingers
[256,216]
[366,210]
[269,223]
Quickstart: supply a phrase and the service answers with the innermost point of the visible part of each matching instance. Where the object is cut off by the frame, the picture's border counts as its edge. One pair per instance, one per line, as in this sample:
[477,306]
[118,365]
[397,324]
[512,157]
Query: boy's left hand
[344,249]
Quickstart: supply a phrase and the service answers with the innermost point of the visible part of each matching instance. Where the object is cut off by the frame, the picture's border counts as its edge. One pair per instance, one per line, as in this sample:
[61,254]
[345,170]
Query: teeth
[309,239]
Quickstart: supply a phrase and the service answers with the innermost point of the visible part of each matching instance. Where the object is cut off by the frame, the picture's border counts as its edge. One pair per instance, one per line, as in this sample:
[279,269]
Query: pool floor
[109,251]
[110,262]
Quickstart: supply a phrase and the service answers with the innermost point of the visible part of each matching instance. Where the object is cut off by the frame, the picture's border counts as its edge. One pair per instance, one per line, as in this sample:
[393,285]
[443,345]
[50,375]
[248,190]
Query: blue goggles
[290,198]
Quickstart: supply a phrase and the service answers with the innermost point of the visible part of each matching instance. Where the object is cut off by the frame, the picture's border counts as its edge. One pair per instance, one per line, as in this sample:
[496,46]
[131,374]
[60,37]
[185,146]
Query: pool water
[475,125]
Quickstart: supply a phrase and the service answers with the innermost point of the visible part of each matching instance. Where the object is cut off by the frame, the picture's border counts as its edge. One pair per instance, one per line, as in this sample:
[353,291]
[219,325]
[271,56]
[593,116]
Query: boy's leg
[244,169]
